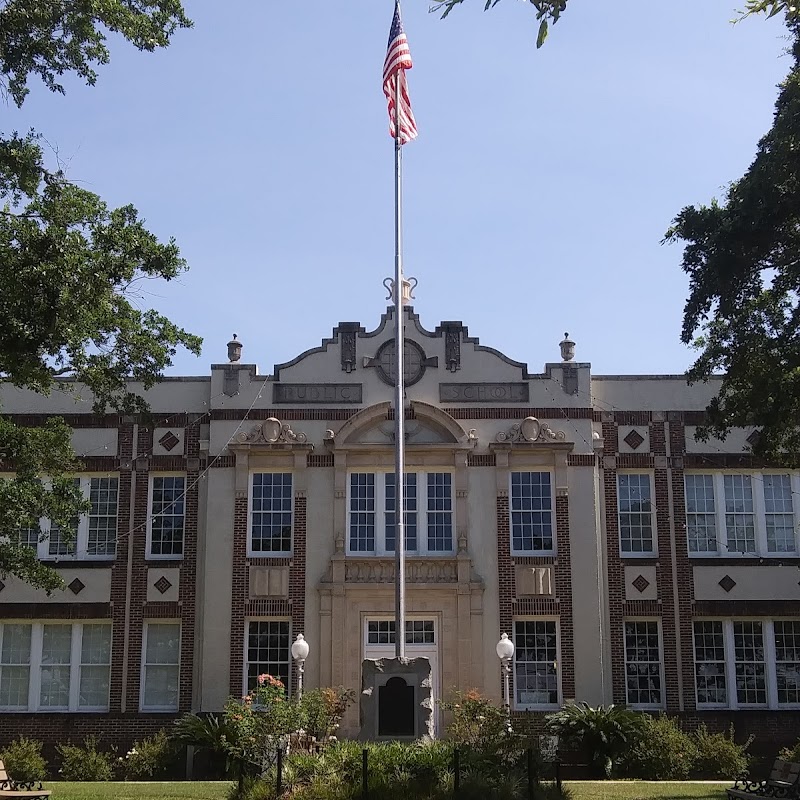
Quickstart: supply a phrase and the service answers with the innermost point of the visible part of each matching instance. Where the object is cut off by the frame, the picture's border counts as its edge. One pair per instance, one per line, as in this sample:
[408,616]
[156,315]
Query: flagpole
[399,400]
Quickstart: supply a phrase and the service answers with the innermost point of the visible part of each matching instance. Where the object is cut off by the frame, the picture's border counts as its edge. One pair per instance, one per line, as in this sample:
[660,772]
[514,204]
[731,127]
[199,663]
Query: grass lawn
[185,790]
[217,790]
[639,790]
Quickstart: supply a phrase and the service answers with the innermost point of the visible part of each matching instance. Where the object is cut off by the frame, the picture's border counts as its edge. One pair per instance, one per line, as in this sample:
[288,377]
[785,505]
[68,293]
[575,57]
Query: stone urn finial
[234,349]
[567,348]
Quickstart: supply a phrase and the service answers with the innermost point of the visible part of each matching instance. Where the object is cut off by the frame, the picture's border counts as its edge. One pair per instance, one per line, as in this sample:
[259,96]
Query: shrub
[791,753]
[603,733]
[211,736]
[718,755]
[476,721]
[661,751]
[85,763]
[321,711]
[24,761]
[150,757]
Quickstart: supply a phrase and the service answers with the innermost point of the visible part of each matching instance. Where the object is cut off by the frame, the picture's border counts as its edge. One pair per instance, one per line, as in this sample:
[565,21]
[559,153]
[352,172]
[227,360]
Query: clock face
[413,362]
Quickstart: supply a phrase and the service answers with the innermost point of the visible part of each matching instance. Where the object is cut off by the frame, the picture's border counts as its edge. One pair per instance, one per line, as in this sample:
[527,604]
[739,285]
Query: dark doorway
[396,708]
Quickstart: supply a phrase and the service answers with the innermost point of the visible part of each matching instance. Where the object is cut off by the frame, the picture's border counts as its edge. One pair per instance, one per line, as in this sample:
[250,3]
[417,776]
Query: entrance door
[421,640]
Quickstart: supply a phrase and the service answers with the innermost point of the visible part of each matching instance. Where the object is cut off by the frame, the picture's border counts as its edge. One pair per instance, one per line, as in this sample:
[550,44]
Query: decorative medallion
[76,586]
[634,439]
[163,585]
[727,583]
[531,430]
[641,583]
[169,441]
[414,362]
[272,431]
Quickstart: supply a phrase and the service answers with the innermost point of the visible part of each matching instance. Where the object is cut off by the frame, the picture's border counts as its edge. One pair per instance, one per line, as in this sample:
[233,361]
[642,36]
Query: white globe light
[505,647]
[300,648]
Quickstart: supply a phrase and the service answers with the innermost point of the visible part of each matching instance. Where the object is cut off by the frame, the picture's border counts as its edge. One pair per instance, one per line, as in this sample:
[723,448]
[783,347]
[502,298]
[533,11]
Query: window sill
[151,557]
[651,554]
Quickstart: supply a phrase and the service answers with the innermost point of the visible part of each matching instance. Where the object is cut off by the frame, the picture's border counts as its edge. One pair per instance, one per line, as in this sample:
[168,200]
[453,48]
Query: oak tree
[70,270]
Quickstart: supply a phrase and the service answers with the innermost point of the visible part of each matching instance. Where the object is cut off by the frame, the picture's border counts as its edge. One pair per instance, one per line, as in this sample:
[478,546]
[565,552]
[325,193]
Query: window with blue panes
[531,512]
[271,513]
[372,513]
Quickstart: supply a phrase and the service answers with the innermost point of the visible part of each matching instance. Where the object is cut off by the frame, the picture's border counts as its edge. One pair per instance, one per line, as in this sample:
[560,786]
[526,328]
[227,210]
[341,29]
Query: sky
[536,196]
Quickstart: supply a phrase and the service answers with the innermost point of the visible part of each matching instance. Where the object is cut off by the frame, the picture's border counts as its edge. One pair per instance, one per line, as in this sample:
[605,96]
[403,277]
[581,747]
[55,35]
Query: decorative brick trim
[187,590]
[55,610]
[723,461]
[641,608]
[283,414]
[563,582]
[276,561]
[560,605]
[616,584]
[635,460]
[677,446]
[633,417]
[163,609]
[239,592]
[267,608]
[538,605]
[138,594]
[168,463]
[747,608]
[73,420]
[325,460]
[469,412]
[242,606]
[99,463]
[733,561]
[534,561]
[481,460]
[222,462]
[119,570]
[297,576]
[581,460]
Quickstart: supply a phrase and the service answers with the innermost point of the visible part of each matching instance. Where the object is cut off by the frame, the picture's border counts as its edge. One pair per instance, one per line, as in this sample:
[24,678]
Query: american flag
[398,60]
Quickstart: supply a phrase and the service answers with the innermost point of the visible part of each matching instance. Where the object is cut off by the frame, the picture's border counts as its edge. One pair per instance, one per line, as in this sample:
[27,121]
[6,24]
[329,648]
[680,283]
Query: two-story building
[576,512]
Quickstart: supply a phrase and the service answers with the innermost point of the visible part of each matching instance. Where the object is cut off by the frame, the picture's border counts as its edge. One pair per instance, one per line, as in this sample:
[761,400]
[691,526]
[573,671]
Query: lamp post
[505,652]
[300,654]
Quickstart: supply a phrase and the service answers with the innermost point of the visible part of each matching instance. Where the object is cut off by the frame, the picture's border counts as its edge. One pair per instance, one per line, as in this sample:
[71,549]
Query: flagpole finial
[409,285]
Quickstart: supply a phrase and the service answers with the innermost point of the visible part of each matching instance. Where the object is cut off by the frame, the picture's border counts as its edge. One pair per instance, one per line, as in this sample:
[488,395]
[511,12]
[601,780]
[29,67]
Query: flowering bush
[476,721]
[261,723]
[321,711]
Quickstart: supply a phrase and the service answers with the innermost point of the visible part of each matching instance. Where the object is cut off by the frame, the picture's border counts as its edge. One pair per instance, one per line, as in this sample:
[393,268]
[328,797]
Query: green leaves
[70,269]
[742,256]
[55,37]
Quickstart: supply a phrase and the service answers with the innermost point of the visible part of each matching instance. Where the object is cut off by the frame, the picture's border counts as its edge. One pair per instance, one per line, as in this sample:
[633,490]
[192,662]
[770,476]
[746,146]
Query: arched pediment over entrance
[426,424]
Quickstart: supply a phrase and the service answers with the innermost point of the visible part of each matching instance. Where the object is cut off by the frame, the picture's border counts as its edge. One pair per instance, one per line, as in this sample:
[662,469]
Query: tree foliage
[742,256]
[549,11]
[71,269]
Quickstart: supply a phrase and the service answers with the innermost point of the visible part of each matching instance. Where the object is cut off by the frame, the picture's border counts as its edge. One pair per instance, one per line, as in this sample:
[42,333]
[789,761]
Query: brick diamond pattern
[169,440]
[634,439]
[76,586]
[641,583]
[727,583]
[753,438]
[2,586]
[163,585]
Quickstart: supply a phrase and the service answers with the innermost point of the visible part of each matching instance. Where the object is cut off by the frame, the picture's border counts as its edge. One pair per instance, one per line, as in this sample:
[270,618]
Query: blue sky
[537,193]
